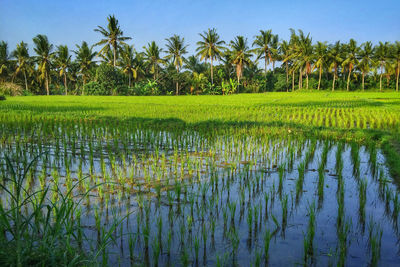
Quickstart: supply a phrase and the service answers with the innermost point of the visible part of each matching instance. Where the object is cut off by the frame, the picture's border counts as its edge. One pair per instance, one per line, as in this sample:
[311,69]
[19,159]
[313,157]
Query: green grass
[359,117]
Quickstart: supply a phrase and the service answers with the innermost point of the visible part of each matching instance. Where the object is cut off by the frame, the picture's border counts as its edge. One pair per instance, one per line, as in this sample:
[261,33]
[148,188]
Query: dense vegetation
[218,67]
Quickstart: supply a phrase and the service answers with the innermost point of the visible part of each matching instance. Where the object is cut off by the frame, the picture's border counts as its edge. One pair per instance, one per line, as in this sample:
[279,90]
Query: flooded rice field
[185,199]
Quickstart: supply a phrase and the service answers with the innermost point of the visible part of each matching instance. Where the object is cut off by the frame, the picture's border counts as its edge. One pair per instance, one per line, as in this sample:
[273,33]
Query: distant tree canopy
[218,67]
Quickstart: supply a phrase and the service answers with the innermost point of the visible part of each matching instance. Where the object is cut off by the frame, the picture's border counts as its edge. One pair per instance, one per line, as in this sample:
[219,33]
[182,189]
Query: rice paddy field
[278,179]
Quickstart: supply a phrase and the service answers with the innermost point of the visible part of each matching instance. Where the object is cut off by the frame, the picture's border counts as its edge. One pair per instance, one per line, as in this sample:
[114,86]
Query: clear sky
[72,21]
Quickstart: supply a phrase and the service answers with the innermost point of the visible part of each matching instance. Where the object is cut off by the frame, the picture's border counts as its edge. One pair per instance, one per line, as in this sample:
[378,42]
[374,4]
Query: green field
[360,117]
[200,180]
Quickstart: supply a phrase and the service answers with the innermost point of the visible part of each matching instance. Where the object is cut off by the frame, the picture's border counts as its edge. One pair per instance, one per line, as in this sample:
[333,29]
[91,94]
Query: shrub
[110,78]
[146,88]
[10,89]
[2,98]
[95,88]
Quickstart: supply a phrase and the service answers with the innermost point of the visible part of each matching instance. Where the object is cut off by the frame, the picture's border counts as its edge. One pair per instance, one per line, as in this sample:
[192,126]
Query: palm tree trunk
[307,80]
[26,81]
[319,79]
[265,66]
[348,79]
[397,76]
[47,84]
[129,80]
[363,74]
[177,84]
[212,76]
[380,79]
[300,78]
[293,81]
[333,83]
[65,84]
[287,77]
[115,55]
[83,86]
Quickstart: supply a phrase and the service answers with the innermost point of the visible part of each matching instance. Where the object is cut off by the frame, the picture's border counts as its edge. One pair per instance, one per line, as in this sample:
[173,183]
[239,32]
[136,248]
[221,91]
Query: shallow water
[191,183]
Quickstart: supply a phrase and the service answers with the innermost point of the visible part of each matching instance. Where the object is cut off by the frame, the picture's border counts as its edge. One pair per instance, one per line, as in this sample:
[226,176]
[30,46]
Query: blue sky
[71,22]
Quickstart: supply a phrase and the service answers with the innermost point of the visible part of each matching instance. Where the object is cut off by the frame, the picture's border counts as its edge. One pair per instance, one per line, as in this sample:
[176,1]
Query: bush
[146,88]
[10,89]
[95,88]
[109,78]
[2,98]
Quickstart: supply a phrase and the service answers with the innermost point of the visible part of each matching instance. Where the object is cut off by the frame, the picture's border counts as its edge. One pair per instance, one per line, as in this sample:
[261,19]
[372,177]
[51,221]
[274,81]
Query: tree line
[217,67]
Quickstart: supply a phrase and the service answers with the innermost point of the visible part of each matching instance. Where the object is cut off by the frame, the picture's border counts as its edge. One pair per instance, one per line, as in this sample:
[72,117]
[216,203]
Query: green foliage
[10,89]
[95,88]
[146,88]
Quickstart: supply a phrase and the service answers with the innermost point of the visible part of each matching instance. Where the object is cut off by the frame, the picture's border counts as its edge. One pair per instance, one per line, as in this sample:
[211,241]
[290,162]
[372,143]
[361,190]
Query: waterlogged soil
[219,202]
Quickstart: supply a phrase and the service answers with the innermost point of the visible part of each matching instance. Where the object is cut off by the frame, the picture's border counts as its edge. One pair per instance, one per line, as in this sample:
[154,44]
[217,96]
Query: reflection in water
[185,199]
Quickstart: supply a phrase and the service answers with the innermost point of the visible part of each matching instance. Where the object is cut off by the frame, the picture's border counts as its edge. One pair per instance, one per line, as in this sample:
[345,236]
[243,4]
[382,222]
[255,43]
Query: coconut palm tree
[63,62]
[44,51]
[127,62]
[4,58]
[350,59]
[176,48]
[193,64]
[240,55]
[365,56]
[113,37]
[320,57]
[210,47]
[335,58]
[293,43]
[284,51]
[21,55]
[396,58]
[274,50]
[152,57]
[381,55]
[85,58]
[304,55]
[263,47]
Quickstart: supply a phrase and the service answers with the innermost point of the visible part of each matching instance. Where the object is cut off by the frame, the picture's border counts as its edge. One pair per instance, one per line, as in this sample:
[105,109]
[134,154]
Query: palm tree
[198,81]
[284,50]
[350,59]
[240,55]
[302,54]
[113,37]
[396,57]
[210,48]
[21,55]
[321,50]
[365,59]
[152,56]
[85,59]
[263,44]
[335,58]
[274,50]
[127,62]
[44,57]
[305,55]
[193,64]
[293,43]
[381,55]
[176,48]
[63,62]
[4,57]
[108,57]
